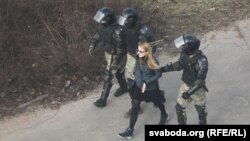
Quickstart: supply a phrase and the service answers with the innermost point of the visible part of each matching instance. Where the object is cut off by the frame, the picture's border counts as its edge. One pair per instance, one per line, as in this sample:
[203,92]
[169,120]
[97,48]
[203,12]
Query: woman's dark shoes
[128,134]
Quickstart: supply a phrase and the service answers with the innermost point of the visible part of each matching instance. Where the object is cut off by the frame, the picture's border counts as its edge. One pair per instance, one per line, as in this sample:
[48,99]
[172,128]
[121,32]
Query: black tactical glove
[185,95]
[167,68]
[162,69]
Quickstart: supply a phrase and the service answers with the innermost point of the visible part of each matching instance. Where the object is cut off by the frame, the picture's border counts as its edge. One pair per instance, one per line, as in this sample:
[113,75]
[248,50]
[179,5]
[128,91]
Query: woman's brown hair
[148,54]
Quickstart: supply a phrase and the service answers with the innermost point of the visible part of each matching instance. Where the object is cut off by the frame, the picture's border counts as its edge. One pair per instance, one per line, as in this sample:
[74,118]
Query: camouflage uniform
[114,54]
[118,62]
[198,97]
[195,69]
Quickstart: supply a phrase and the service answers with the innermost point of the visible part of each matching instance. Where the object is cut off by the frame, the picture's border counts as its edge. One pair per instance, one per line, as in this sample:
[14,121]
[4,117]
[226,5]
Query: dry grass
[43,43]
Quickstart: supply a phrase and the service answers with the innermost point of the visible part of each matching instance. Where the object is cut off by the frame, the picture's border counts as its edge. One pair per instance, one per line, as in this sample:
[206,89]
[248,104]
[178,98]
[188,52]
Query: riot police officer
[195,67]
[113,54]
[131,31]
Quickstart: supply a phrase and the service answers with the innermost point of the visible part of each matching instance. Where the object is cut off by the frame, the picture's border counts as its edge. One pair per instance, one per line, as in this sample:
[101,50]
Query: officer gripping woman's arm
[194,64]
[195,67]
[201,75]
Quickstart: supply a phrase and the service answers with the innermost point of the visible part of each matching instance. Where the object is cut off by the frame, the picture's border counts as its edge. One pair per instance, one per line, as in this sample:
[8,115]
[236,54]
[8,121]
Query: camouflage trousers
[118,62]
[130,66]
[199,97]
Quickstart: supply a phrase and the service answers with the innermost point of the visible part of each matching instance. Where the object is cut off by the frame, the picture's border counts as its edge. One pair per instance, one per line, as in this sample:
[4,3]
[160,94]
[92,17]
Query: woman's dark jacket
[143,74]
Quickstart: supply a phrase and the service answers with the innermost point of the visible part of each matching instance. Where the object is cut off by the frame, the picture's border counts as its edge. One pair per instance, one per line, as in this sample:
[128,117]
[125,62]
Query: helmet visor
[122,20]
[99,16]
[179,41]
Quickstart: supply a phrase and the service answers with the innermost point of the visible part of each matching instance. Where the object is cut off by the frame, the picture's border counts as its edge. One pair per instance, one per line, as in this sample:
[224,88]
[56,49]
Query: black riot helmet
[128,18]
[188,43]
[105,16]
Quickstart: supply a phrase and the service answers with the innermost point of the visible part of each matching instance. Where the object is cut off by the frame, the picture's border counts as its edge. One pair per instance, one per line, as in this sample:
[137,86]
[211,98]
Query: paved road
[228,52]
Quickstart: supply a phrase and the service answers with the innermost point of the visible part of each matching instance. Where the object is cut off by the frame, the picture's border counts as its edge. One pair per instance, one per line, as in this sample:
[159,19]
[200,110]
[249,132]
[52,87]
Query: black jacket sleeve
[95,39]
[176,66]
[157,75]
[203,68]
[202,73]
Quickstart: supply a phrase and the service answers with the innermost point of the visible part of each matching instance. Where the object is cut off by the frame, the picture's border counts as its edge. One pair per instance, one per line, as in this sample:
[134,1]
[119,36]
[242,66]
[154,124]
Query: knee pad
[201,110]
[107,76]
[121,71]
[202,113]
[179,108]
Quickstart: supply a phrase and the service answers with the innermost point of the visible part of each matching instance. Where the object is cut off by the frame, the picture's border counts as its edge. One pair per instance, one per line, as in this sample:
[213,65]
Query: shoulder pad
[146,33]
[144,30]
[202,62]
[203,59]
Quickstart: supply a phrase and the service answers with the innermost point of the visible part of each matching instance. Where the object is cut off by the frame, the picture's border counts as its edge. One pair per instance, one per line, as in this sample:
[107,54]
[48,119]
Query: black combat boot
[101,102]
[181,114]
[202,113]
[122,83]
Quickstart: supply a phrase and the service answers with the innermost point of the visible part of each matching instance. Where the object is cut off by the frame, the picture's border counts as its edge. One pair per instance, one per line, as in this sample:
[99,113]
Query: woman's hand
[143,88]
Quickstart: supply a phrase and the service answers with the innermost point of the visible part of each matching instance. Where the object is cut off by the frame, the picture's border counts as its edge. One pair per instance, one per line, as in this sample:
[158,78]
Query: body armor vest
[131,38]
[106,33]
[191,67]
